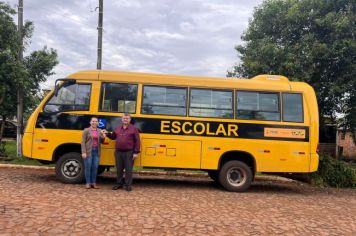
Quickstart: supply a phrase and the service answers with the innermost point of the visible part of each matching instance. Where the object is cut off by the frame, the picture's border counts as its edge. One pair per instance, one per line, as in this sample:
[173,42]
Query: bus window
[211,103]
[117,97]
[292,107]
[257,106]
[164,100]
[74,97]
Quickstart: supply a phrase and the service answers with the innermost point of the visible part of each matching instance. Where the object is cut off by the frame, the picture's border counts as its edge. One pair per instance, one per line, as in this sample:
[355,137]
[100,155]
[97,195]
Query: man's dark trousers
[123,160]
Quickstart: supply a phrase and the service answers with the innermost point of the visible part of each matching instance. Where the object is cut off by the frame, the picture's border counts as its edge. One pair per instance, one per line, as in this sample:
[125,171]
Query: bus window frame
[302,97]
[119,112]
[60,86]
[213,89]
[260,91]
[166,86]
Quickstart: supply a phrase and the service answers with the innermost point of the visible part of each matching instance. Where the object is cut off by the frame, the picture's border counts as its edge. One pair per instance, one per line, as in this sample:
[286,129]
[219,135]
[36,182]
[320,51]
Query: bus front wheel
[235,176]
[70,168]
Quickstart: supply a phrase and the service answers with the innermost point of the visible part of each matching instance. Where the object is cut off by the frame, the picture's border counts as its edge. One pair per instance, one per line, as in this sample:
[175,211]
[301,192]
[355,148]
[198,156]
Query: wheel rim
[236,176]
[71,169]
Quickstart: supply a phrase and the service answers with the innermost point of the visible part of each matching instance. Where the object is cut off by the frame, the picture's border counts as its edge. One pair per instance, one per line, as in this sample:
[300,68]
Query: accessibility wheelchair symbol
[102,123]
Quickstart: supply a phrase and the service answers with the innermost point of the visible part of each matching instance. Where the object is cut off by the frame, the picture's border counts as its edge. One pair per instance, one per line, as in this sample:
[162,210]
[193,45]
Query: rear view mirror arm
[66,81]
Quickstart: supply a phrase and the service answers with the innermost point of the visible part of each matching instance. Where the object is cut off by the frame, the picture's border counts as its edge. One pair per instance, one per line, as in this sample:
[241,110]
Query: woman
[91,140]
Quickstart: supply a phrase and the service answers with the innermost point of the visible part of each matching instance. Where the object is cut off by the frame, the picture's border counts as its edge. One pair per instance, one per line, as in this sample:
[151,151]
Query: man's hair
[93,117]
[126,114]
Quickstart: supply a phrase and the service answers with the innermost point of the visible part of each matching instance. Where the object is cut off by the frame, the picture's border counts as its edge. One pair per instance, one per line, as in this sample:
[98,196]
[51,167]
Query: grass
[10,150]
[21,161]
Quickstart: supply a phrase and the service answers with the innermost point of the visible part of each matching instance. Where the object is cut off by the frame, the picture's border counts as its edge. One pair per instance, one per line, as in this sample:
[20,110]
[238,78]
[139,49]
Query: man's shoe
[128,188]
[116,187]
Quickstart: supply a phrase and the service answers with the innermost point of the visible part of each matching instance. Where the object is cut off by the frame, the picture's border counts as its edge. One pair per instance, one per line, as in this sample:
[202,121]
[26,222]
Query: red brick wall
[327,148]
[345,141]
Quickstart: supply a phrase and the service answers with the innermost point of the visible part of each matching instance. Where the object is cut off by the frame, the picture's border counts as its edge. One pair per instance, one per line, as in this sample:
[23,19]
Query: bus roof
[260,82]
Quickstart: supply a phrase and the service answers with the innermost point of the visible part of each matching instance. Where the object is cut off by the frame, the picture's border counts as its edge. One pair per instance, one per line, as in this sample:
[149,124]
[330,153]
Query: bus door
[115,99]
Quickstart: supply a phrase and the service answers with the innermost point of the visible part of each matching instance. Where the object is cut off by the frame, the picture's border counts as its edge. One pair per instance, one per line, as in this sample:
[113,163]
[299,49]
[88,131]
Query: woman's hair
[93,117]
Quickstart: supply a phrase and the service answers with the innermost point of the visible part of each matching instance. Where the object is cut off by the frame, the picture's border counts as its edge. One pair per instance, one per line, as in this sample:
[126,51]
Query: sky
[184,37]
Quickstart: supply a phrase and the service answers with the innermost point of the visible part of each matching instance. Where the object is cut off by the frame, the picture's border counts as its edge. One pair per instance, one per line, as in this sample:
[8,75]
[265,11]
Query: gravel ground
[33,202]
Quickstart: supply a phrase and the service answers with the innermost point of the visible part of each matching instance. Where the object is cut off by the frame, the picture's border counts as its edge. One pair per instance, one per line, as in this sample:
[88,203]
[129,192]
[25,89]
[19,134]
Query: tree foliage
[29,73]
[306,40]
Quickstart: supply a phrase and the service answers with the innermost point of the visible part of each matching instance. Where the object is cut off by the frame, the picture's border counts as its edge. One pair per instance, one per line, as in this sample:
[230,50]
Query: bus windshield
[69,98]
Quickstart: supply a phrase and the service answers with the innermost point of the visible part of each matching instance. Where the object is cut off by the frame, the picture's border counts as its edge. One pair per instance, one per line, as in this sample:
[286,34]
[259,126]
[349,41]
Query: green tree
[306,40]
[29,73]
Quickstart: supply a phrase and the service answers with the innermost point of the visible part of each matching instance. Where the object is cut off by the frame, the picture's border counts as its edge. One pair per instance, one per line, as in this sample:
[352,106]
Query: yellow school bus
[231,128]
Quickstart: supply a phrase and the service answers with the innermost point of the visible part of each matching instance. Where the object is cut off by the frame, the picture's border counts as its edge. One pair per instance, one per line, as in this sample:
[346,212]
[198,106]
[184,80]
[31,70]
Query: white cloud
[161,35]
[178,37]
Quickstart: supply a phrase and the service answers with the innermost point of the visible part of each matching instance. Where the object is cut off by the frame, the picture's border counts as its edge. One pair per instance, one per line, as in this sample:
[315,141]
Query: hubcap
[236,176]
[71,168]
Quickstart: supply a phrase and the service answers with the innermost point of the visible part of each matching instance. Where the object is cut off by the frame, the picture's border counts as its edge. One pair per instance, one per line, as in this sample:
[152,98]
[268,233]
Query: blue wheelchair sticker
[102,123]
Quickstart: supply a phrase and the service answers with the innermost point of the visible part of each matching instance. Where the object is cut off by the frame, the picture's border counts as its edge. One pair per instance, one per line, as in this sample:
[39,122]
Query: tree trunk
[2,127]
[2,144]
[2,95]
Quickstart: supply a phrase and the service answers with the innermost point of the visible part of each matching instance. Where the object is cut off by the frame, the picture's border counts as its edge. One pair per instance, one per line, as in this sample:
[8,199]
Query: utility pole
[20,88]
[100,34]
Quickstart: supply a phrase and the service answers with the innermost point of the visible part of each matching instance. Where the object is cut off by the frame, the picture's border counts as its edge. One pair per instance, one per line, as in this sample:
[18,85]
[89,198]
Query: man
[127,149]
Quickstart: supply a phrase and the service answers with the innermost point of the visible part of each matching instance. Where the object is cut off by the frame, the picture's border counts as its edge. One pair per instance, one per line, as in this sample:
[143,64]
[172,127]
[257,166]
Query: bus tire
[235,176]
[70,168]
[214,175]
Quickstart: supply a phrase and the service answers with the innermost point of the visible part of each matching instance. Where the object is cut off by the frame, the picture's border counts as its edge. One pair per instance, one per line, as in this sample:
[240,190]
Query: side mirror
[56,87]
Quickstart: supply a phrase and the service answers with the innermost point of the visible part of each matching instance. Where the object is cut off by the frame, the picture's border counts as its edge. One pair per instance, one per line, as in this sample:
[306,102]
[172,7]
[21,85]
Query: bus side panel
[108,153]
[282,156]
[212,151]
[270,155]
[46,141]
[27,144]
[171,153]
[107,157]
[27,139]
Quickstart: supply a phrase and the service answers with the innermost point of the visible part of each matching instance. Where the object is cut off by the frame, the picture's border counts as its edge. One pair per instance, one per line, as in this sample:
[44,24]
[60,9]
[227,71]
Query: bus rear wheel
[70,168]
[235,176]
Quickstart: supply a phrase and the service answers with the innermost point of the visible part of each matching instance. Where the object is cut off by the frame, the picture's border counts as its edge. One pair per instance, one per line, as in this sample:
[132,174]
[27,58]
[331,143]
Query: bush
[334,173]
